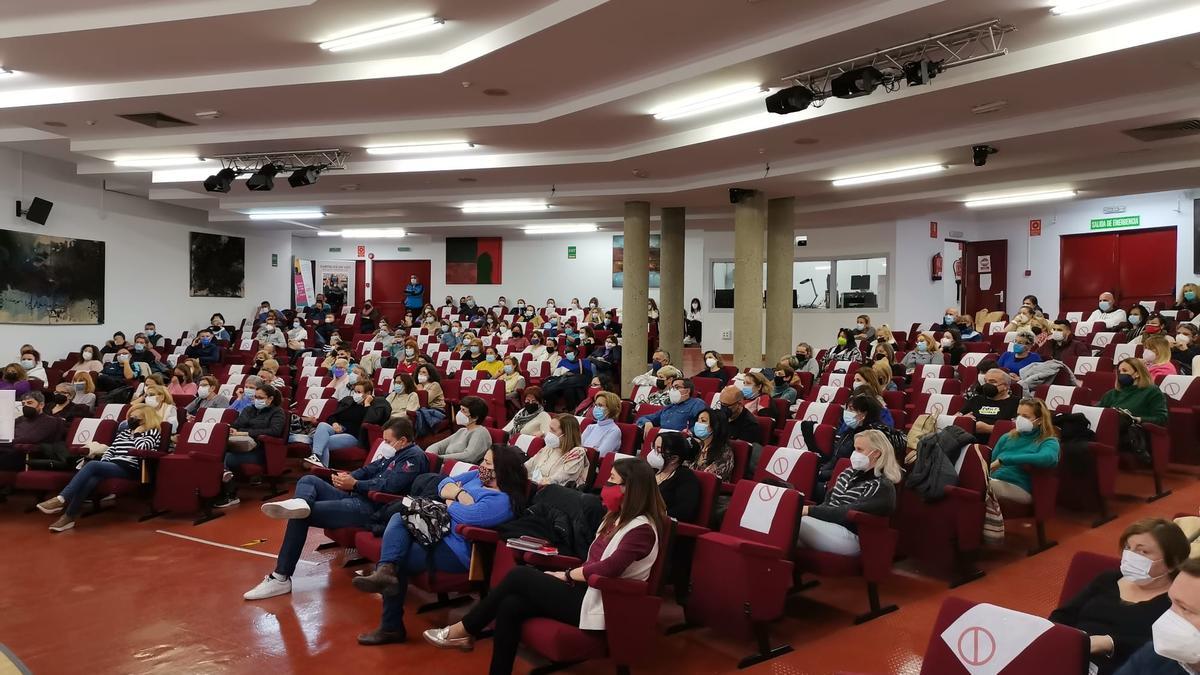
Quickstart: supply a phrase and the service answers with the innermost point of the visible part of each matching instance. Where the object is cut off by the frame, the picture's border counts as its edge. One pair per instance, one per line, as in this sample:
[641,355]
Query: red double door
[389,278]
[1133,265]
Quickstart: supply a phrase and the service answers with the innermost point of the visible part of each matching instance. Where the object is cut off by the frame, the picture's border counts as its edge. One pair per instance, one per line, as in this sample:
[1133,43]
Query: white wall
[146,257]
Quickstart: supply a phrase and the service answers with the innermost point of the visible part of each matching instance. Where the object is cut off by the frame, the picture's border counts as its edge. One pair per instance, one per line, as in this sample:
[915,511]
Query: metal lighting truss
[954,48]
[250,162]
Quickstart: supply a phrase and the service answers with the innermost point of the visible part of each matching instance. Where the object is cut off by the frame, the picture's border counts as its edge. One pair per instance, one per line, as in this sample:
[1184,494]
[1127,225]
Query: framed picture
[474,260]
[218,266]
[50,280]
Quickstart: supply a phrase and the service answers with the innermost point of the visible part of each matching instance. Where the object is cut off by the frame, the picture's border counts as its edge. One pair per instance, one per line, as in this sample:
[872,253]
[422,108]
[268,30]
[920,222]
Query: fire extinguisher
[935,273]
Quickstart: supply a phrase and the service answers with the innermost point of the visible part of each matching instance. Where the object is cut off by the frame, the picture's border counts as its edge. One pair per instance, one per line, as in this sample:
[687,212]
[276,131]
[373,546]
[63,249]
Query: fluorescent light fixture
[421,148]
[380,33]
[894,174]
[328,233]
[287,214]
[375,233]
[713,100]
[1085,6]
[560,229]
[1027,198]
[155,162]
[6,71]
[510,206]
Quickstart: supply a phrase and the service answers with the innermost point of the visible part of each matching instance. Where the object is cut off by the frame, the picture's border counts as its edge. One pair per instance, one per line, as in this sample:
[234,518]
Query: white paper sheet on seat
[1086,364]
[486,387]
[987,638]
[938,403]
[783,461]
[761,507]
[827,393]
[837,380]
[211,414]
[1176,386]
[86,431]
[932,385]
[815,412]
[112,411]
[201,432]
[1059,394]
[1092,413]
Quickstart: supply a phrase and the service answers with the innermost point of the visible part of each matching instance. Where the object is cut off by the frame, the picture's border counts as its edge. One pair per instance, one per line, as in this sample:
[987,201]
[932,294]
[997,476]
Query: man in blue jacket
[342,504]
[1175,649]
[414,296]
[678,416]
[204,349]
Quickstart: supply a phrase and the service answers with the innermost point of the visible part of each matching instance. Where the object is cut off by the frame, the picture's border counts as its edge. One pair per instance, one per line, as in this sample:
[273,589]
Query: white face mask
[655,460]
[152,401]
[87,356]
[1176,638]
[358,398]
[710,362]
[422,378]
[1024,424]
[203,392]
[1182,339]
[552,440]
[1059,336]
[675,396]
[859,461]
[1149,356]
[947,342]
[1136,567]
[461,419]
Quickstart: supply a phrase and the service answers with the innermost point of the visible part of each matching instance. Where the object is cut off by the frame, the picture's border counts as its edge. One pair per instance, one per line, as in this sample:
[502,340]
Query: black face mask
[660,383]
[780,381]
[802,359]
[989,390]
[134,422]
[880,357]
[59,398]
[29,412]
[531,406]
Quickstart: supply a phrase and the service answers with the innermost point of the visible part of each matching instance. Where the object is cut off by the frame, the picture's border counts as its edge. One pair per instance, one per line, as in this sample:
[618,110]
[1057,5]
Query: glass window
[722,275]
[810,279]
[861,282]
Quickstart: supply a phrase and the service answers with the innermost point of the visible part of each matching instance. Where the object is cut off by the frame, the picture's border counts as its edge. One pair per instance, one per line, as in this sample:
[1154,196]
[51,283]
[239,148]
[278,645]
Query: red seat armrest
[147,454]
[690,530]
[321,471]
[552,562]
[480,535]
[383,497]
[617,586]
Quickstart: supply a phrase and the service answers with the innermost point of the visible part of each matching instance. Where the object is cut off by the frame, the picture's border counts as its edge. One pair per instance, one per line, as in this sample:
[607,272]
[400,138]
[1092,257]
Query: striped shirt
[129,440]
[856,491]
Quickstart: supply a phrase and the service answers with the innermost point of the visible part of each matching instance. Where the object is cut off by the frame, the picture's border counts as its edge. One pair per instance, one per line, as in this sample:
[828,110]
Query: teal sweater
[1025,449]
[1147,403]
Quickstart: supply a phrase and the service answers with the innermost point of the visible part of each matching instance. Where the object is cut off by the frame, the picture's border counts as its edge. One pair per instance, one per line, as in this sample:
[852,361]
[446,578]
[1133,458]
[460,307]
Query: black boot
[382,581]
[379,636]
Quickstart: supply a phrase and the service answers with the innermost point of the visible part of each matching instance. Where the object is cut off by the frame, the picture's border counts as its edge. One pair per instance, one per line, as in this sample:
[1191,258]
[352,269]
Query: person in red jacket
[1063,343]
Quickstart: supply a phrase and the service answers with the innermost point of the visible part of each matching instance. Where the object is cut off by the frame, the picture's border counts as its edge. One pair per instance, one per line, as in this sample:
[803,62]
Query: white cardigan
[591,615]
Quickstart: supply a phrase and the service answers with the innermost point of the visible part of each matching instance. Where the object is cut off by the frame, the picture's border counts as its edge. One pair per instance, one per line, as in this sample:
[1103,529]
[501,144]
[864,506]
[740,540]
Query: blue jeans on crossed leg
[85,481]
[325,439]
[331,508]
[409,558]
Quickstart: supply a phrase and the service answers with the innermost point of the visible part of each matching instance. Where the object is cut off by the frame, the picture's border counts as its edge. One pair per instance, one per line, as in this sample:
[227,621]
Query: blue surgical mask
[508,369]
[947,320]
[922,346]
[747,392]
[850,419]
[571,356]
[353,377]
[490,358]
[205,341]
[1105,305]
[654,366]
[1190,296]
[701,430]
[261,403]
[1135,319]
[1018,348]
[599,412]
[474,349]
[139,347]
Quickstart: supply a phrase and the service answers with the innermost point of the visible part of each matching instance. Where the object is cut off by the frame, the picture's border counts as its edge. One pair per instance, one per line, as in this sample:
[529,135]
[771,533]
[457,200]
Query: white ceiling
[582,77]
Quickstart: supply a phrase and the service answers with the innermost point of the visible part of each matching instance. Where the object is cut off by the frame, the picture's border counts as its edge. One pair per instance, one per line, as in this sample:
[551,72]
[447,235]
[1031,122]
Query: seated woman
[604,436]
[626,547]
[661,394]
[804,360]
[868,485]
[1020,320]
[783,387]
[952,347]
[883,335]
[1137,398]
[181,382]
[867,379]
[89,360]
[491,495]
[1186,347]
[715,454]
[517,343]
[537,348]
[1118,608]
[208,395]
[883,360]
[156,396]
[713,367]
[264,417]
[31,361]
[924,352]
[531,419]
[428,380]
[406,353]
[1032,443]
[83,390]
[845,349]
[608,359]
[511,376]
[563,460]
[297,335]
[61,405]
[1157,355]
[863,330]
[243,395]
[1135,322]
[569,381]
[863,413]
[1189,299]
[472,439]
[671,457]
[217,327]
[1020,354]
[403,398]
[118,460]
[756,389]
[343,427]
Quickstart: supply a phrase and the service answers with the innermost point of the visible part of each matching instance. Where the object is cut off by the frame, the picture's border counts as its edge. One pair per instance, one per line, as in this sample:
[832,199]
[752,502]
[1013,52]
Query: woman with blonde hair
[84,390]
[868,486]
[926,351]
[1157,356]
[883,335]
[1189,299]
[882,358]
[563,460]
[756,389]
[156,396]
[1032,443]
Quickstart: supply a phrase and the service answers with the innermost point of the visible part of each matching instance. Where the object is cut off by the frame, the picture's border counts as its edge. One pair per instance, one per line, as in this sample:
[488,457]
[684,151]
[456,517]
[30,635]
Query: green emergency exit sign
[1114,223]
[571,253]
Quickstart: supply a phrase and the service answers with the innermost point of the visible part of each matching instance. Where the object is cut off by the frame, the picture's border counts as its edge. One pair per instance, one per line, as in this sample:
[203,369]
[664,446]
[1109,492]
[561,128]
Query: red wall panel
[1088,264]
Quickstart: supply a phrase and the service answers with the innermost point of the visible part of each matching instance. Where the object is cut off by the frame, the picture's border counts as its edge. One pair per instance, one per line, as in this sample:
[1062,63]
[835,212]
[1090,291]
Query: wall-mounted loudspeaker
[38,211]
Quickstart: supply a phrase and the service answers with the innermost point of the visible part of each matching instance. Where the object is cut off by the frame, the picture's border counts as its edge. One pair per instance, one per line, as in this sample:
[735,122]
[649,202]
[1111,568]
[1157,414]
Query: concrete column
[749,225]
[635,293]
[780,243]
[670,295]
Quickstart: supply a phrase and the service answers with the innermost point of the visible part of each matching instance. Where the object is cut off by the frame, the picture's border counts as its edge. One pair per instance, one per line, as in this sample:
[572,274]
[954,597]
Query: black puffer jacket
[565,517]
[933,471]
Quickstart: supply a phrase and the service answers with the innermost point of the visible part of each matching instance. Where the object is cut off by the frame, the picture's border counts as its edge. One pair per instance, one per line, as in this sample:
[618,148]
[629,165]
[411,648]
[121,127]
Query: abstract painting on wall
[474,260]
[50,280]
[618,267]
[218,266]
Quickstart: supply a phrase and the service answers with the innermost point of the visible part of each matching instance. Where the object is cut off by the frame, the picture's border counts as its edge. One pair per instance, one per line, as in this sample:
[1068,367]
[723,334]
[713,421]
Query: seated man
[949,320]
[1175,649]
[33,427]
[1107,311]
[966,330]
[269,333]
[650,377]
[122,368]
[743,425]
[152,335]
[993,402]
[344,426]
[342,504]
[1063,343]
[204,349]
[678,416]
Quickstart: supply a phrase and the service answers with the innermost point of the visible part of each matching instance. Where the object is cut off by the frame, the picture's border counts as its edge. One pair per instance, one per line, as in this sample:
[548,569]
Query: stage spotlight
[306,176]
[921,72]
[980,153]
[857,82]
[263,179]
[790,100]
[221,182]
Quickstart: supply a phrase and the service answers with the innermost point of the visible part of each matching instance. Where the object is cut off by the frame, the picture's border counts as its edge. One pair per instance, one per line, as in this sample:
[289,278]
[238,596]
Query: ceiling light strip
[1076,7]
[1027,198]
[715,100]
[894,174]
[156,162]
[308,214]
[504,207]
[387,33]
[560,229]
[420,149]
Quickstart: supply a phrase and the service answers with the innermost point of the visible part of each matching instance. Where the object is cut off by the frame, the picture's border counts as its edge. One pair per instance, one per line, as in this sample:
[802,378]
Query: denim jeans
[233,460]
[409,557]
[325,439]
[331,508]
[85,481]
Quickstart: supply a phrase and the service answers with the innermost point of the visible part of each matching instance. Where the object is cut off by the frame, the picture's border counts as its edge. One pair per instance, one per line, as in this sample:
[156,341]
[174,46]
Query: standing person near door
[414,295]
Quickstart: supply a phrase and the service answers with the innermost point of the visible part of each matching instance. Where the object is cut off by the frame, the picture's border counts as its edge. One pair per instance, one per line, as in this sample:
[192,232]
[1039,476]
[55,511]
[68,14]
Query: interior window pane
[861,282]
[810,279]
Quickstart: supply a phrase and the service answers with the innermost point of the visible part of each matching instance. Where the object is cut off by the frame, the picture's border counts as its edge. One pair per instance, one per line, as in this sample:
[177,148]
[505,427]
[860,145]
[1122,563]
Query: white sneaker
[108,499]
[288,509]
[315,461]
[269,587]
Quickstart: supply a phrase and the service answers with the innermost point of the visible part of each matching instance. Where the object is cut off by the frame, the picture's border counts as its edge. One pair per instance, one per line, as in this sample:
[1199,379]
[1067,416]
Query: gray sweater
[464,445]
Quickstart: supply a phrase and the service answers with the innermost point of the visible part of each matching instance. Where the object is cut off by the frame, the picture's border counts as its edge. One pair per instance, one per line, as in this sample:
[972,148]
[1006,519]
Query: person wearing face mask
[562,460]
[325,331]
[714,454]
[994,401]
[661,395]
[61,405]
[1107,311]
[672,457]
[83,391]
[845,348]
[607,360]
[1032,443]
[428,381]
[370,316]
[34,427]
[537,347]
[243,395]
[1118,607]
[952,347]
[693,326]
[517,342]
[205,349]
[863,330]
[406,352]
[1138,400]
[531,419]
[341,502]
[1175,647]
[451,336]
[491,363]
[604,436]
[31,361]
[803,361]
[678,416]
[216,327]
[742,424]
[89,360]
[626,547]
[782,386]
[156,396]
[120,370]
[926,351]
[568,383]
[1020,320]
[472,439]
[208,395]
[402,396]
[470,352]
[1020,354]
[1189,299]
[343,428]
[297,336]
[1063,344]
[949,320]
[116,343]
[1156,352]
[269,333]
[181,382]
[756,389]
[966,330]
[863,413]
[106,461]
[345,378]
[1185,348]
[714,367]
[867,486]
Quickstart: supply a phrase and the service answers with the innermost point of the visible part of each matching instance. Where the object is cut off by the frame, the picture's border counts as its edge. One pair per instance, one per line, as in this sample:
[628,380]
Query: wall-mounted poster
[337,280]
[218,266]
[618,267]
[474,260]
[50,280]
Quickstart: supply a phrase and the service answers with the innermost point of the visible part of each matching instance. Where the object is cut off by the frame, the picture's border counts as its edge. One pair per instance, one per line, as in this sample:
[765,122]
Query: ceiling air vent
[157,120]
[1161,132]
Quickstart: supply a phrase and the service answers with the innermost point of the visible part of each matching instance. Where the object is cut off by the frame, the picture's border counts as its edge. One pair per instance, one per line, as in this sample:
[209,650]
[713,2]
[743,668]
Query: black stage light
[790,100]
[921,72]
[306,176]
[221,182]
[857,82]
[980,153]
[263,179]
[736,195]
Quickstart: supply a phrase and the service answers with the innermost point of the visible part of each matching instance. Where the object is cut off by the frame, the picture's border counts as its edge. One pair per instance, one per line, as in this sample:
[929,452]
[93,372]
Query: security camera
[736,195]
[802,240]
[980,153]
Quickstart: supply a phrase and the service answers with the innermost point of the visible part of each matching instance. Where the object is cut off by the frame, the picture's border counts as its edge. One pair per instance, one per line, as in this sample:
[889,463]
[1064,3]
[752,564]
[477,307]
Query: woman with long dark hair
[715,455]
[626,547]
[486,497]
